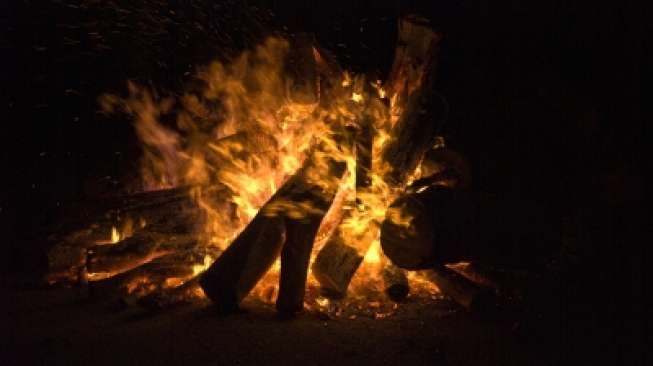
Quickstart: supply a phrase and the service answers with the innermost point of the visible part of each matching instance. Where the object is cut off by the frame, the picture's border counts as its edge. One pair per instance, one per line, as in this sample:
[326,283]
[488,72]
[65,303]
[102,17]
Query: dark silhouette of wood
[108,260]
[460,289]
[412,80]
[430,224]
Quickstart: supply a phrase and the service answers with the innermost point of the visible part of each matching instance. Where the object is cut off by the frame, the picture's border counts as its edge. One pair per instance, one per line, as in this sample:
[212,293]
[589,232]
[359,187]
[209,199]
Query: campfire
[285,179]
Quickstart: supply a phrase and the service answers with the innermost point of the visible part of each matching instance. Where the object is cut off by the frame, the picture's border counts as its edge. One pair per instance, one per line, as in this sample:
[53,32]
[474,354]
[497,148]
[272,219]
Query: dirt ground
[57,326]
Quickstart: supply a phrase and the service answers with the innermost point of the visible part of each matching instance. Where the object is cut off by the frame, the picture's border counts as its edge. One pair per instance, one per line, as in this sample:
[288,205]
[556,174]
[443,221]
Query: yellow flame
[199,268]
[115,236]
[356,97]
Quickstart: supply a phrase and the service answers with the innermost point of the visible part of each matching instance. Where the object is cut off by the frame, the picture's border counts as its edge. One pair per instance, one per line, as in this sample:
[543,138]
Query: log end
[334,267]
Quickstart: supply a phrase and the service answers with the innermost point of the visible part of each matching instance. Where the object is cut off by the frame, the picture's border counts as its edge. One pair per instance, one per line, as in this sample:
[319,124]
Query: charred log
[442,159]
[235,273]
[412,80]
[335,266]
[108,260]
[460,289]
[427,226]
[160,274]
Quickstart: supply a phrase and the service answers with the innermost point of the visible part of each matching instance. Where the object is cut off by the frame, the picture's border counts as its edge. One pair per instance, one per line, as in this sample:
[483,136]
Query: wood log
[165,272]
[411,79]
[460,289]
[235,273]
[416,46]
[171,216]
[170,210]
[429,225]
[295,257]
[108,260]
[505,282]
[440,159]
[335,265]
[395,282]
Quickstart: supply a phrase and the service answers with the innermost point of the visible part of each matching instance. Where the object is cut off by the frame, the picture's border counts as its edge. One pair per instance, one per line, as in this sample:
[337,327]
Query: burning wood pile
[284,168]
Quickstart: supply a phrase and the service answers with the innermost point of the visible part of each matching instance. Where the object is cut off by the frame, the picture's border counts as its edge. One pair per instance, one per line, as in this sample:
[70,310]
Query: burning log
[165,272]
[107,260]
[169,215]
[396,282]
[285,225]
[335,265]
[428,225]
[460,289]
[235,273]
[164,211]
[411,80]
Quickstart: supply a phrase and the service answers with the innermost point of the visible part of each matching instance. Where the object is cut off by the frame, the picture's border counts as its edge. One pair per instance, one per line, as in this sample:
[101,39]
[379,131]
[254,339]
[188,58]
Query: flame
[358,98]
[248,129]
[115,237]
[199,268]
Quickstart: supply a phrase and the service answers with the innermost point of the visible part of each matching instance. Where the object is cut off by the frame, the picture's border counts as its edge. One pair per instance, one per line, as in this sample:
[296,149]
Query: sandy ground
[57,326]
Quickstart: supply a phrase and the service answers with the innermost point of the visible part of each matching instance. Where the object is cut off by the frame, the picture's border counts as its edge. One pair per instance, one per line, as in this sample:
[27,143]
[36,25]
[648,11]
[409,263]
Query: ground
[60,326]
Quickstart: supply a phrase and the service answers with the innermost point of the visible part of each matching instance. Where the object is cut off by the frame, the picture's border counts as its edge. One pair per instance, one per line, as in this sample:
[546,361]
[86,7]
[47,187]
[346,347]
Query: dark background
[545,101]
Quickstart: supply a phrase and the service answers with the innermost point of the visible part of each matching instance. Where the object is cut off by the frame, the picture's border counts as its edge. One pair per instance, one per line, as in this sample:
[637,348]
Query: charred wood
[235,273]
[427,226]
[165,272]
[460,289]
[108,260]
[335,266]
[412,80]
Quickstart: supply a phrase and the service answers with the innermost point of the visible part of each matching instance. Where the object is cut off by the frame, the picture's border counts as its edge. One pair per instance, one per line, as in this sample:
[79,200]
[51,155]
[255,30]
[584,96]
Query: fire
[199,268]
[358,98]
[115,237]
[248,130]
